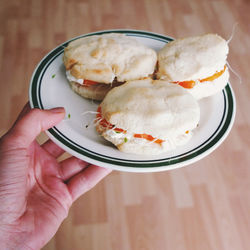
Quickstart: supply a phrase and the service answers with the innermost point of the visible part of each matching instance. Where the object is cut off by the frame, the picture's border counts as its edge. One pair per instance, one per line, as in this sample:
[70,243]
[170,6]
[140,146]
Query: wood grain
[202,206]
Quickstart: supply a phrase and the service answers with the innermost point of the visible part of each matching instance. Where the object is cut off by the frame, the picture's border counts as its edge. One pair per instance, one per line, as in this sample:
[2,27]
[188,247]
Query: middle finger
[52,148]
[71,167]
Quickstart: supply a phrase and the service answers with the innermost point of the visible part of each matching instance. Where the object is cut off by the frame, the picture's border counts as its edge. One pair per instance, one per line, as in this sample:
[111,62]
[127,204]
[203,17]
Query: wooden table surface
[203,206]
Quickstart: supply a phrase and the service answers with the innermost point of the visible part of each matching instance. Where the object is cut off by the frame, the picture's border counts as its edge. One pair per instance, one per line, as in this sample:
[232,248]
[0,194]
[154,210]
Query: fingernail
[59,110]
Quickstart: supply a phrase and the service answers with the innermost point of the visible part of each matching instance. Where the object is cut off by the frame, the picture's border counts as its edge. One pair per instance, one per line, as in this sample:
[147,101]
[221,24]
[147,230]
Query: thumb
[30,125]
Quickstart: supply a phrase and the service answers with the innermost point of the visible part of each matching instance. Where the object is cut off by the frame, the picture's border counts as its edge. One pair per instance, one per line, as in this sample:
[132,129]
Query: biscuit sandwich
[95,64]
[148,116]
[198,64]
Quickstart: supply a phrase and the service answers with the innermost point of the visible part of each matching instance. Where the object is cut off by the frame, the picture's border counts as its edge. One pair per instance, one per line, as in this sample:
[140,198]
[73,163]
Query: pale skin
[36,191]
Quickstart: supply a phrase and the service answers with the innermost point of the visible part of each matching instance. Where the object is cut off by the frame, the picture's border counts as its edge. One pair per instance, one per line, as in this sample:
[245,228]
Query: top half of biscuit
[102,58]
[192,58]
[153,107]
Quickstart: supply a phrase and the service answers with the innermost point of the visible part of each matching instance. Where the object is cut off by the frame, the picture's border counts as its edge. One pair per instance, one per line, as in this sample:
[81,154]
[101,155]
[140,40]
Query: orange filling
[190,84]
[149,138]
[89,82]
[103,122]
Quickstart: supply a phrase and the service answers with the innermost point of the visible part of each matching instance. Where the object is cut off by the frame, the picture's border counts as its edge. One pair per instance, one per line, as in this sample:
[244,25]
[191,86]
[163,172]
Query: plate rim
[133,165]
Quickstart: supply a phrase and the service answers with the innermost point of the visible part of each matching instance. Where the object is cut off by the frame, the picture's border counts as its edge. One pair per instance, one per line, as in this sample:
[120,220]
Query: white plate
[49,88]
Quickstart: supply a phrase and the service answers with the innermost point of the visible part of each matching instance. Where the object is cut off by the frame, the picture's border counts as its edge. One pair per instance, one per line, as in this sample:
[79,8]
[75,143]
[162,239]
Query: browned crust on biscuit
[94,92]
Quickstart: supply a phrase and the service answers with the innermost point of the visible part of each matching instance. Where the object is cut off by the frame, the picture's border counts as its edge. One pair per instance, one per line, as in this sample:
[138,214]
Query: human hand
[36,191]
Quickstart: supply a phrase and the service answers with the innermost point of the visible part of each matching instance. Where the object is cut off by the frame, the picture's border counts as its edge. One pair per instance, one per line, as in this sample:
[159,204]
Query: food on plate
[195,63]
[95,64]
[147,116]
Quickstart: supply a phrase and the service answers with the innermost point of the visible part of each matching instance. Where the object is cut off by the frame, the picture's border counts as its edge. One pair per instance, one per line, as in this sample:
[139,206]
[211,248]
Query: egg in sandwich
[197,63]
[148,116]
[95,64]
